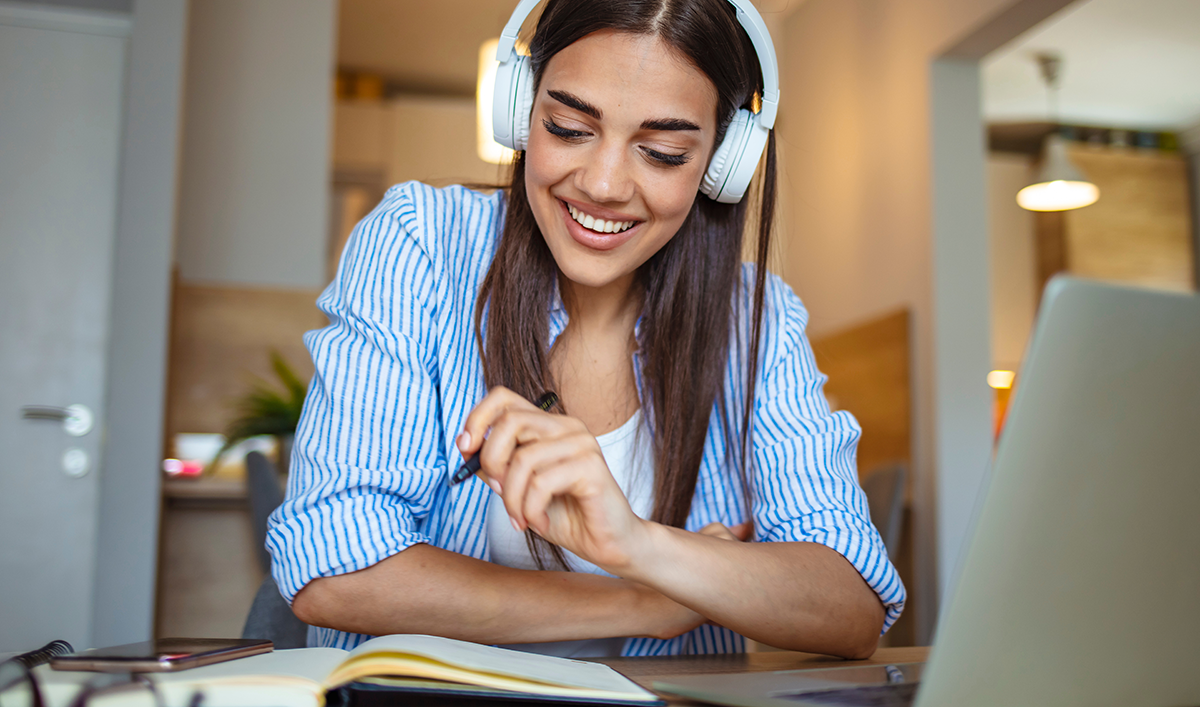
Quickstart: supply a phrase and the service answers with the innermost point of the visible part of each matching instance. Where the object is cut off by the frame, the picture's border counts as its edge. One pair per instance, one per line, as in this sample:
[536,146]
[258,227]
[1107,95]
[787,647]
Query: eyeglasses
[19,686]
[106,684]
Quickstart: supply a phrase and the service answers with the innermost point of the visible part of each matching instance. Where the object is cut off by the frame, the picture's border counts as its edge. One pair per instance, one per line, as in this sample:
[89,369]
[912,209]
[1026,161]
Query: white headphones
[733,164]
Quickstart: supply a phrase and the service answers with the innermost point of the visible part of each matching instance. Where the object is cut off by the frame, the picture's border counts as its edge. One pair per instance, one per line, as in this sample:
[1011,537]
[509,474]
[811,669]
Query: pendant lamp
[1059,186]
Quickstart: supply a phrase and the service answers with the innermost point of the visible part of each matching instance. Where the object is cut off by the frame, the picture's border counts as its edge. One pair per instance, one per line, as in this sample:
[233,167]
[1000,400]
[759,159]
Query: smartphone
[163,655]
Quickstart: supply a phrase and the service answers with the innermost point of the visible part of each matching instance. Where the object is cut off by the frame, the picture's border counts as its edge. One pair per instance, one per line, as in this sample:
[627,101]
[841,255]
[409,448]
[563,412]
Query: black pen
[546,401]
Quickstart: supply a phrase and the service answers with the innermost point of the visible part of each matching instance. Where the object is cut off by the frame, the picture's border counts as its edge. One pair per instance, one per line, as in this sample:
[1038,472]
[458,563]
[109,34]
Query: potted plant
[269,409]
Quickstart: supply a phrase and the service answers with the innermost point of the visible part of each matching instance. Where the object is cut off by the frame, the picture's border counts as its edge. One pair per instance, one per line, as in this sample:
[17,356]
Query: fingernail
[463,440]
[516,526]
[495,485]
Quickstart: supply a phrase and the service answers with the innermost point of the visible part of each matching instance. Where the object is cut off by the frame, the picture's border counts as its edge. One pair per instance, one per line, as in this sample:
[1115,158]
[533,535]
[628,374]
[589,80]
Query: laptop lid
[1082,579]
[1081,582]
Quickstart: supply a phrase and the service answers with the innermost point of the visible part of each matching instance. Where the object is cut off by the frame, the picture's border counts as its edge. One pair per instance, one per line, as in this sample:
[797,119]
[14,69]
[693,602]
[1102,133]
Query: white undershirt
[629,454]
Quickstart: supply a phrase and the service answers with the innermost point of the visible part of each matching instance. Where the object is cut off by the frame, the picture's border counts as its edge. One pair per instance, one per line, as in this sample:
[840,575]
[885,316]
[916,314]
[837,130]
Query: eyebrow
[669,124]
[570,100]
[573,101]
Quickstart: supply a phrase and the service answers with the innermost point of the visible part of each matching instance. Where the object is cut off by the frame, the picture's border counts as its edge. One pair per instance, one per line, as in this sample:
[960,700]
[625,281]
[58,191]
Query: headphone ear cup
[524,103]
[512,101]
[733,163]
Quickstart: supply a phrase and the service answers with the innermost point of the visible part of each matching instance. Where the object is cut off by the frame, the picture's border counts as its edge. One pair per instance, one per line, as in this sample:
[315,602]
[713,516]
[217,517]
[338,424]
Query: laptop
[1081,582]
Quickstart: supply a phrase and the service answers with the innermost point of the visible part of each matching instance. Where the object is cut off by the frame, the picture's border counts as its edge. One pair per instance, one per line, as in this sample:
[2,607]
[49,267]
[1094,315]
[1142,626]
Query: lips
[599,234]
[598,225]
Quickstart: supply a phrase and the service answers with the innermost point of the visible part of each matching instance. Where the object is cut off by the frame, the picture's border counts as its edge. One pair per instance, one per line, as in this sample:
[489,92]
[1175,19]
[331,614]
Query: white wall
[127,532]
[427,138]
[856,126]
[255,171]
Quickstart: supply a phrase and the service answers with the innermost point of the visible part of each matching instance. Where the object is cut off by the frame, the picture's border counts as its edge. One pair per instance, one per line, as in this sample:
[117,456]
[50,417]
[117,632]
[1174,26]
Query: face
[620,136]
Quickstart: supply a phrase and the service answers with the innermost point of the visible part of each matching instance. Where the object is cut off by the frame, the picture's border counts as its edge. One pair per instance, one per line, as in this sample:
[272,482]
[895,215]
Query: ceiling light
[1059,186]
[489,150]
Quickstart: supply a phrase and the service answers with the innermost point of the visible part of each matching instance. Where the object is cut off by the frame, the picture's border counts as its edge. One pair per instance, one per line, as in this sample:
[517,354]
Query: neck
[615,305]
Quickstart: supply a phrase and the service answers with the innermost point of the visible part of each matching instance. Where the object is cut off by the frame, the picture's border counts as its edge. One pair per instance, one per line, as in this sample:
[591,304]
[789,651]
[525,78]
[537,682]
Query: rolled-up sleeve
[366,461]
[805,476]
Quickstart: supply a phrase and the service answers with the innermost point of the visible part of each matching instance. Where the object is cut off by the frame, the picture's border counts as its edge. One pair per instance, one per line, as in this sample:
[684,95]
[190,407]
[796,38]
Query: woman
[690,413]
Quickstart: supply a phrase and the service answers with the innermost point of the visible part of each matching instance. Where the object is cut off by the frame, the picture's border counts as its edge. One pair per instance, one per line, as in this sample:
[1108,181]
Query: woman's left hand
[552,476]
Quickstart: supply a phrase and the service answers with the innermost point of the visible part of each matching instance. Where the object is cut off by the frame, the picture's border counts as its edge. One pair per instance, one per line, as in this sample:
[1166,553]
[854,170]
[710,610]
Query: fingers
[740,532]
[494,404]
[718,530]
[529,463]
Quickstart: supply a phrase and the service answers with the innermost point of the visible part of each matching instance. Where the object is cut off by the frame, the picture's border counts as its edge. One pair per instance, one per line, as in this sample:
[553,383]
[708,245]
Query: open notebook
[423,664]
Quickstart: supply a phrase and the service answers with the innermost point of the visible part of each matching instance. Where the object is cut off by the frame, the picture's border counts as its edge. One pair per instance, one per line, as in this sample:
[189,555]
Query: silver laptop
[1081,583]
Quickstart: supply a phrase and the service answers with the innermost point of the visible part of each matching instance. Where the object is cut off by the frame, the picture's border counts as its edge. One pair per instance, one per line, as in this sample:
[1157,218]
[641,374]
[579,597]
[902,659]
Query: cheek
[673,198]
[544,166]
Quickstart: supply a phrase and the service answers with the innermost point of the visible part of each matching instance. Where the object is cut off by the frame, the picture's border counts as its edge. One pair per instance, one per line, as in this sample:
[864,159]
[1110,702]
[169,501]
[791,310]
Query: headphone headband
[732,166]
[747,16]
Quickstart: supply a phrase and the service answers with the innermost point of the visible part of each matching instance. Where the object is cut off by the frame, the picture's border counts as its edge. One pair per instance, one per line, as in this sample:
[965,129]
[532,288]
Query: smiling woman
[693,488]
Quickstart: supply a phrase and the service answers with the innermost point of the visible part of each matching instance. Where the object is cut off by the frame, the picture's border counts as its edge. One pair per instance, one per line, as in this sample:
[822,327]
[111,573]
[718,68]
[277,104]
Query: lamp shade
[1059,186]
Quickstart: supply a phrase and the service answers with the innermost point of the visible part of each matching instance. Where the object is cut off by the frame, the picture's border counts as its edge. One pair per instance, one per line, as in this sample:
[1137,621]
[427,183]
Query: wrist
[644,552]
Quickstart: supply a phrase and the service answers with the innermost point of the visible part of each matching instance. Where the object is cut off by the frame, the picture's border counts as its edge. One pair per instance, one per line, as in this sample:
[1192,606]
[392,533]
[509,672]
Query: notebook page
[489,659]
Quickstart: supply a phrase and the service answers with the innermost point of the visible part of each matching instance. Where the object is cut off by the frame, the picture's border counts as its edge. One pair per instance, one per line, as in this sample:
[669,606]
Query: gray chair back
[270,616]
[885,498]
[265,489]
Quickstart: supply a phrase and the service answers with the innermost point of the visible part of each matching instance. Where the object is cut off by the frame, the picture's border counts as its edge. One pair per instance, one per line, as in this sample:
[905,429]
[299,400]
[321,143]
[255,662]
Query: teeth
[597,224]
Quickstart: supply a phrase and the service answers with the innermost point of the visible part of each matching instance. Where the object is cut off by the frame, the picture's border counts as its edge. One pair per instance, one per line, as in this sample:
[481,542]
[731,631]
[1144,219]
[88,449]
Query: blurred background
[178,179]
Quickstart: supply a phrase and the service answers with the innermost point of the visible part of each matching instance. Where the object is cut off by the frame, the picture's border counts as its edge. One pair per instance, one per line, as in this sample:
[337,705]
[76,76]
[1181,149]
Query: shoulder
[784,317]
[445,223]
[418,244]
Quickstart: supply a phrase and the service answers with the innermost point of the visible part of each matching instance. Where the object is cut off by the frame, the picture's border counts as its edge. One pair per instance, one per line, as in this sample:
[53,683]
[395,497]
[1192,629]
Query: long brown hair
[690,284]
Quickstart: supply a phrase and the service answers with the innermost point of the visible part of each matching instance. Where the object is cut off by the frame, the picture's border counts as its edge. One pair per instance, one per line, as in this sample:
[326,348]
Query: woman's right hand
[740,532]
[552,476]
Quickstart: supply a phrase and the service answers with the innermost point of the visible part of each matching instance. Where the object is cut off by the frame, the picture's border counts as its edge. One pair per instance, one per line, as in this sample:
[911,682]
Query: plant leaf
[266,409]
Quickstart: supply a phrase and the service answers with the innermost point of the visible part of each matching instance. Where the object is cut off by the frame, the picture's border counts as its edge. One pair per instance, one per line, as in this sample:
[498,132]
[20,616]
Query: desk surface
[644,671]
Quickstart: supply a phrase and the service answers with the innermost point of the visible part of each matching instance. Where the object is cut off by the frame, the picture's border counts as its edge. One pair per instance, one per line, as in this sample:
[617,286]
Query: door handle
[77,420]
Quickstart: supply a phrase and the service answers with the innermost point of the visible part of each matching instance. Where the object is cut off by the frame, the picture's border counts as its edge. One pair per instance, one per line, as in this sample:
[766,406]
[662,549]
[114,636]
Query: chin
[588,274]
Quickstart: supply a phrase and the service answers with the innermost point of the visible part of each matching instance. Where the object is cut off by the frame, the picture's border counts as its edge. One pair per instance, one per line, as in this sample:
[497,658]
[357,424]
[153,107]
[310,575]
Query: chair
[265,490]
[885,498]
[270,616]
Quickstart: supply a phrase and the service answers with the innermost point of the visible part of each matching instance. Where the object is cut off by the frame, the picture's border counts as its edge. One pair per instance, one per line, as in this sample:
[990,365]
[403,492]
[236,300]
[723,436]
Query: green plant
[268,409]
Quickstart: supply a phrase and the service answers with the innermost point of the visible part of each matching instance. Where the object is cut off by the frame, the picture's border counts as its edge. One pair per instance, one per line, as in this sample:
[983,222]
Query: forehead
[634,72]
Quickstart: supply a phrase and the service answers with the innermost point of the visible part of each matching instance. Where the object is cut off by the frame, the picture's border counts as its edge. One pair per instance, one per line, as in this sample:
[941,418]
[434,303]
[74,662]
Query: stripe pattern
[397,372]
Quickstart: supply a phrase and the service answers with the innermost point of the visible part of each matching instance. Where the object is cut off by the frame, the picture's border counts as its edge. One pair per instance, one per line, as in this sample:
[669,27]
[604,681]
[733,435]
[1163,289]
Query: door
[60,123]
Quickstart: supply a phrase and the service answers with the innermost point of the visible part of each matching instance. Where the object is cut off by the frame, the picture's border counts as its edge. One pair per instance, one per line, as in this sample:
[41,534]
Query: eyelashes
[559,131]
[575,135]
[673,160]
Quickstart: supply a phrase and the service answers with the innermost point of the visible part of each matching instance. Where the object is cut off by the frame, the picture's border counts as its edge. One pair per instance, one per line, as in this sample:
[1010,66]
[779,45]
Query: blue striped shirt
[397,372]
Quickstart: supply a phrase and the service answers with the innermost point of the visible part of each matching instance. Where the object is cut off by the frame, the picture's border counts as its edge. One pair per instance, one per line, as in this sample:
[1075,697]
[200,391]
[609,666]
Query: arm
[794,595]
[426,589]
[822,583]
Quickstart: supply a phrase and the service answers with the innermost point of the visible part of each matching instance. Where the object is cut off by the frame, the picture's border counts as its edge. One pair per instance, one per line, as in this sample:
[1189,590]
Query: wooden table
[644,671]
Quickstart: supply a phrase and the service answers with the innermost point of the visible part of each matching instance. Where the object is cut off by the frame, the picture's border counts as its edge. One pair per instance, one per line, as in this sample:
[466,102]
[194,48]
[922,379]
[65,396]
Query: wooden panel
[220,340]
[1140,230]
[868,369]
[1051,244]
[209,570]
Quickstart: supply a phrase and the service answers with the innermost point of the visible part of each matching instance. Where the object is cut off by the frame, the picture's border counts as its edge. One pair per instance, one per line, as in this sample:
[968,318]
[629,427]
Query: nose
[606,174]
